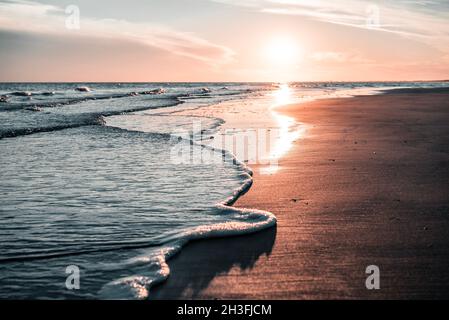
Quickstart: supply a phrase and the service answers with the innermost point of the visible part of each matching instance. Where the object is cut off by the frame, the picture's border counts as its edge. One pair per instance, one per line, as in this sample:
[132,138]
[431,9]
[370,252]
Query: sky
[223,40]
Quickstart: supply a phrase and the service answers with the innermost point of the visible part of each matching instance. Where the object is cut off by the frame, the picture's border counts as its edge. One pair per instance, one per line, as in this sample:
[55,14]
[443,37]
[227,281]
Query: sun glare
[282,51]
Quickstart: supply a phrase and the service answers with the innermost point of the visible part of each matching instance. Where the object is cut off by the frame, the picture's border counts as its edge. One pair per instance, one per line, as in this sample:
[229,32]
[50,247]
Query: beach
[222,149]
[366,185]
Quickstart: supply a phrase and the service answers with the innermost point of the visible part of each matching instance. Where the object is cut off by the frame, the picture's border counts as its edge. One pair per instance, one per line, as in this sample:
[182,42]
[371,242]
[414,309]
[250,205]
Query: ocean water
[116,180]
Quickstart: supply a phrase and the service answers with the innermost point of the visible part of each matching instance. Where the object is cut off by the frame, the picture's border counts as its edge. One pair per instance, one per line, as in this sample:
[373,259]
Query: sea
[102,183]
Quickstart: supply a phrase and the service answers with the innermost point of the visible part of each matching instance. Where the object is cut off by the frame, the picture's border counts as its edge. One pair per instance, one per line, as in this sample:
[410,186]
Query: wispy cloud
[35,17]
[414,18]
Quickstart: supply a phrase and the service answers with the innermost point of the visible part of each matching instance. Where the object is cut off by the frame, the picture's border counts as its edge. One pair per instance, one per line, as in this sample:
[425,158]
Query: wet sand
[368,184]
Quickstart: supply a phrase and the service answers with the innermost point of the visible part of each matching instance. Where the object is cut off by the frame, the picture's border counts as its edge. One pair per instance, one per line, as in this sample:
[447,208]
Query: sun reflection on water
[282,96]
[289,129]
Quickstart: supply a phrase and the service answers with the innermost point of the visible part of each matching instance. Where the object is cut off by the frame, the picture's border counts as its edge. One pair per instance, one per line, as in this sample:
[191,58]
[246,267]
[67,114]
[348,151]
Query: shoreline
[356,190]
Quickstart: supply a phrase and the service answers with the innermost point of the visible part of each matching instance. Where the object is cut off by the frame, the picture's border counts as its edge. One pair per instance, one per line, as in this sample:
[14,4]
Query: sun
[282,51]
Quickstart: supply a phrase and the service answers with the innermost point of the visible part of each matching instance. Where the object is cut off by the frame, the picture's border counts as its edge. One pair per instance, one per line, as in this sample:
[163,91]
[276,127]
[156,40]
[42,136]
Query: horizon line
[309,81]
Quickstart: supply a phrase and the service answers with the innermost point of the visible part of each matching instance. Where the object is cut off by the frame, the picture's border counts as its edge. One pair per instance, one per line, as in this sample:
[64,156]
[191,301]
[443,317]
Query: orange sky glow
[224,40]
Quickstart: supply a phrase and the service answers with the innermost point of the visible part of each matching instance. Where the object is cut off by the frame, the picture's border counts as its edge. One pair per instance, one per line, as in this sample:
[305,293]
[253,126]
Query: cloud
[34,17]
[410,18]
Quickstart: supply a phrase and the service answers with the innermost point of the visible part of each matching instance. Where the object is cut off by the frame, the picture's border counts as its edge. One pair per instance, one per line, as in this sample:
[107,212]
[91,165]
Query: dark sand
[370,181]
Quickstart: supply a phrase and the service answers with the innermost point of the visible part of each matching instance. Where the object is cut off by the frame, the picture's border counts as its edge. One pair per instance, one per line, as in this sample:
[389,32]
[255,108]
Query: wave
[80,120]
[159,250]
[12,133]
[9,106]
[95,118]
[21,94]
[241,221]
[235,222]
